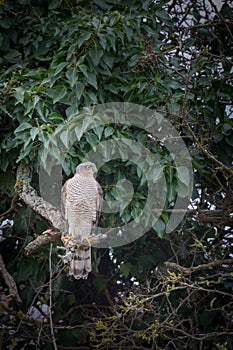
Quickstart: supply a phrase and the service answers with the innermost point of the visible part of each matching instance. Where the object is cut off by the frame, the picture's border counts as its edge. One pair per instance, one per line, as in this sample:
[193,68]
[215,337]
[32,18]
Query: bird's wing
[99,202]
[64,200]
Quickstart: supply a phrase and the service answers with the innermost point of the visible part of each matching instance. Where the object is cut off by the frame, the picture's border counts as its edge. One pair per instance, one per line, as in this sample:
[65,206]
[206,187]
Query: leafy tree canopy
[163,291]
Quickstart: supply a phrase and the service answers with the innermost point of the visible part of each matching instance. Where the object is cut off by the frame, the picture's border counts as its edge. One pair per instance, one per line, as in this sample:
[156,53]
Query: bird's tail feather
[80,264]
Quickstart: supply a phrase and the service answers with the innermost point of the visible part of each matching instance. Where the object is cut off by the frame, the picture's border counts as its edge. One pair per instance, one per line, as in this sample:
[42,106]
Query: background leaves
[60,56]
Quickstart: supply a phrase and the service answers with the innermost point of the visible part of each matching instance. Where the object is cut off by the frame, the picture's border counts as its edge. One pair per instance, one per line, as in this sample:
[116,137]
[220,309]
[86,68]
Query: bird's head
[86,169]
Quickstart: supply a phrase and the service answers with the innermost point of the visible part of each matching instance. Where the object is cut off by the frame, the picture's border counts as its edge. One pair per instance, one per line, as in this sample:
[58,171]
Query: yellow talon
[88,241]
[67,238]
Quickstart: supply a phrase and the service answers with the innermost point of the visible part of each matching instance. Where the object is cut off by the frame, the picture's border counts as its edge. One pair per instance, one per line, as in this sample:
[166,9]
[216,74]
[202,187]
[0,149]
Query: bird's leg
[67,257]
[67,238]
[68,247]
[87,240]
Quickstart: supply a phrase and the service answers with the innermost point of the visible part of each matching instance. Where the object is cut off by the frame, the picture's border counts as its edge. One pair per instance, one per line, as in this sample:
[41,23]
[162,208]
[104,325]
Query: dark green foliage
[58,57]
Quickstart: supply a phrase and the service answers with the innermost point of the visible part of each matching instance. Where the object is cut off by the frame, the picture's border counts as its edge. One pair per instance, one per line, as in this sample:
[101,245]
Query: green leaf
[108,60]
[229,140]
[4,162]
[60,68]
[226,129]
[84,69]
[58,93]
[64,136]
[100,284]
[34,132]
[5,22]
[79,132]
[102,40]
[35,100]
[83,37]
[183,190]
[125,269]
[23,126]
[163,14]
[42,110]
[26,270]
[125,215]
[92,139]
[91,79]
[98,131]
[25,152]
[79,88]
[95,53]
[114,89]
[29,107]
[159,228]
[54,4]
[12,55]
[19,94]
[128,30]
[72,76]
[7,180]
[108,131]
[183,175]
[136,212]
[55,116]
[157,173]
[111,38]
[172,192]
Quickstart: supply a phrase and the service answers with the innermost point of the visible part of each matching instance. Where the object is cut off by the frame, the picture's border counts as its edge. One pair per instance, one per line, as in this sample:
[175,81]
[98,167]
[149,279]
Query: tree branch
[9,282]
[221,18]
[38,204]
[48,236]
[50,298]
[214,216]
[189,270]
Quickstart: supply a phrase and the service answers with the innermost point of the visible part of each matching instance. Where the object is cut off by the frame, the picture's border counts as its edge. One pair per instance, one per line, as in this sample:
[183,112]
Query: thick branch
[53,235]
[48,236]
[38,204]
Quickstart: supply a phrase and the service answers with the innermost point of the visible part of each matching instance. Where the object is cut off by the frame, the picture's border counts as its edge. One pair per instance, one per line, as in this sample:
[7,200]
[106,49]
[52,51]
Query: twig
[9,281]
[189,270]
[50,296]
[202,25]
[12,206]
[205,151]
[196,140]
[190,211]
[222,18]
[215,216]
[198,336]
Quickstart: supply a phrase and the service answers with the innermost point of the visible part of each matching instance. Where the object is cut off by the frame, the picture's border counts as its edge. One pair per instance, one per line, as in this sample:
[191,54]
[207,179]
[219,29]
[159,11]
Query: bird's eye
[88,167]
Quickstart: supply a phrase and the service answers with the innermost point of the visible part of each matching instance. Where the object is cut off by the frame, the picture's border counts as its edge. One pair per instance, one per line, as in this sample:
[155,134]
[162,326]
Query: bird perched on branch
[81,200]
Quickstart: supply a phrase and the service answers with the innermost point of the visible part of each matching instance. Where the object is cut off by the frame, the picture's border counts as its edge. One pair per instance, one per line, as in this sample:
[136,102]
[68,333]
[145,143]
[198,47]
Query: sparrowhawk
[81,200]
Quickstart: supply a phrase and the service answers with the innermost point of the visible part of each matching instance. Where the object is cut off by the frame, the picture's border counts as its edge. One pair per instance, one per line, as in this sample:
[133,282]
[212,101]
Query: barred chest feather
[84,193]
